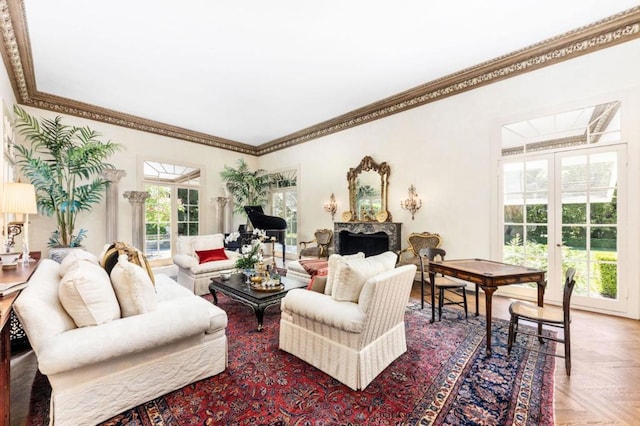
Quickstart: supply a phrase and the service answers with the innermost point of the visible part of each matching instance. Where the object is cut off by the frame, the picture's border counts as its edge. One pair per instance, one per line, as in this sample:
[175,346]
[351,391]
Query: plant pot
[59,253]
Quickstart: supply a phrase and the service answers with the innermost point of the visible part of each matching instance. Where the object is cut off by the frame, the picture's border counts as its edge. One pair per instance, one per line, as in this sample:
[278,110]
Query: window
[284,203]
[563,181]
[173,207]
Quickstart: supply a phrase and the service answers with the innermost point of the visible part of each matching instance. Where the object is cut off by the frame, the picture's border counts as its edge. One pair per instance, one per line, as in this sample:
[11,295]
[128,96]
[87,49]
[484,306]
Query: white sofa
[194,275]
[353,334]
[101,370]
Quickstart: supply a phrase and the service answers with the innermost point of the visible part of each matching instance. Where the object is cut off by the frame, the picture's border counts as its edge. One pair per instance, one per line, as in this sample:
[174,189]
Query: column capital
[222,201]
[136,197]
[113,175]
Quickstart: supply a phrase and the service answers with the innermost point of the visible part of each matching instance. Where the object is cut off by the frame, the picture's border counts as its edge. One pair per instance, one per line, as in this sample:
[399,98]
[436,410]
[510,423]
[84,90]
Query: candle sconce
[331,206]
[413,203]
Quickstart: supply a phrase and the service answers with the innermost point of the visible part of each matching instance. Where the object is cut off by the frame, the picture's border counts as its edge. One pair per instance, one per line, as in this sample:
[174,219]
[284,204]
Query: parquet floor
[604,386]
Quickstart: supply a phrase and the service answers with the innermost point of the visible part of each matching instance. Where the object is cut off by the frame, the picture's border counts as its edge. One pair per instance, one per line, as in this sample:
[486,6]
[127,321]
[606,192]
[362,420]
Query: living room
[449,149]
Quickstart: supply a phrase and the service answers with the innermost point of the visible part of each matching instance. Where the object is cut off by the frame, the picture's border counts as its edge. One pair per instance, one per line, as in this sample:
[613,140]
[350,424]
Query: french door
[566,209]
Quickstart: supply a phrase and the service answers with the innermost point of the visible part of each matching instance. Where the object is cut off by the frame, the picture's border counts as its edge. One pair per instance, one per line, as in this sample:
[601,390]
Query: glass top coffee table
[236,288]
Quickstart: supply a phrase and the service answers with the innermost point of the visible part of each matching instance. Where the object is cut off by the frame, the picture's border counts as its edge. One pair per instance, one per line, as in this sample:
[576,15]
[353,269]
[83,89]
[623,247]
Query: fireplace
[369,237]
[369,244]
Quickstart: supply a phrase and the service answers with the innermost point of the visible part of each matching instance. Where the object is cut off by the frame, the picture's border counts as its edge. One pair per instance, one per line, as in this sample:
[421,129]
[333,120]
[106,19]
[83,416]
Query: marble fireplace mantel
[392,229]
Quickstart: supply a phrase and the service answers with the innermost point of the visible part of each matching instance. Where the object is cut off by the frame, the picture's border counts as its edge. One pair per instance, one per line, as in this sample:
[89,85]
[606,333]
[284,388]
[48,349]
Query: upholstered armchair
[320,246]
[353,328]
[417,242]
[199,258]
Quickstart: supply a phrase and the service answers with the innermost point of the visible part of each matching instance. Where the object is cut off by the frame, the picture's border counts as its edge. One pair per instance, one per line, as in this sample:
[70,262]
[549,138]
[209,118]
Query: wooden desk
[18,274]
[489,275]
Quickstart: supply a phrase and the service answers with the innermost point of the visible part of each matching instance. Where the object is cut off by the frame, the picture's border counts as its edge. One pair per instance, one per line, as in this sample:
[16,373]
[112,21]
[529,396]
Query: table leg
[488,295]
[5,373]
[477,304]
[215,296]
[259,310]
[432,280]
[542,285]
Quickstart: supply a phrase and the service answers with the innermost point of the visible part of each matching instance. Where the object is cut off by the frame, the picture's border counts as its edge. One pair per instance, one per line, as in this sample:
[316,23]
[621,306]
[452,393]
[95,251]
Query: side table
[18,274]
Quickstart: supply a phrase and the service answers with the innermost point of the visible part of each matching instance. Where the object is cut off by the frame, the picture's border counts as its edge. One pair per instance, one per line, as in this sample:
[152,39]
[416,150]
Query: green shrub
[608,274]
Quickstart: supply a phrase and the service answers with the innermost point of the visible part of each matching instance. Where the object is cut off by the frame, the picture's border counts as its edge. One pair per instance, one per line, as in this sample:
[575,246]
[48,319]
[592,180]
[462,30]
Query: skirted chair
[200,258]
[354,328]
[319,247]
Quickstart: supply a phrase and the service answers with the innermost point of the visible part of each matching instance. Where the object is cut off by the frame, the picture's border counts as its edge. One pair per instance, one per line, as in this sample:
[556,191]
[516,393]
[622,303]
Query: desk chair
[550,316]
[442,283]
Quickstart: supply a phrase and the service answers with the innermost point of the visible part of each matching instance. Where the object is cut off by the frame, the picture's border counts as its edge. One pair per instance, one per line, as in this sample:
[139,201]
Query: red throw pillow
[211,255]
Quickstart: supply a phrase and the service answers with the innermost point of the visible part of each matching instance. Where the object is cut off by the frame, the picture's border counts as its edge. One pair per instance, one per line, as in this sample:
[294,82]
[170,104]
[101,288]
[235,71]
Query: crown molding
[16,54]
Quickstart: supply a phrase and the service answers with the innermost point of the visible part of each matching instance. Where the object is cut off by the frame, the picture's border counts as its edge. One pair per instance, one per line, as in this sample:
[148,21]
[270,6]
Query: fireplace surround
[369,234]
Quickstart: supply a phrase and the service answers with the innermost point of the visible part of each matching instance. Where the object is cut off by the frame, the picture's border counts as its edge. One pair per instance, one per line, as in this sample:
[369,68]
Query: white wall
[448,149]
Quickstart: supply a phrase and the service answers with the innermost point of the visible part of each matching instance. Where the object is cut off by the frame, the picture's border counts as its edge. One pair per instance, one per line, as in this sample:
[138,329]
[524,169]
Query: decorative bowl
[225,275]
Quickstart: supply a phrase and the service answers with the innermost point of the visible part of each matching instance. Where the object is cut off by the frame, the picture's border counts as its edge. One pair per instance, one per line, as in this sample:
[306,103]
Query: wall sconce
[413,203]
[331,206]
[19,199]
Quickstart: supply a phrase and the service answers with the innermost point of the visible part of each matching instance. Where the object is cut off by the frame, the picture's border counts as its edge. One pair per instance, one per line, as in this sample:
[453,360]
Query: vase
[248,273]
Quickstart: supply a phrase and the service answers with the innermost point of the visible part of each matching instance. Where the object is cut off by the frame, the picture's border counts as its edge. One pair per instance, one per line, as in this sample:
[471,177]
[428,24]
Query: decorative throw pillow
[332,267]
[351,274]
[211,255]
[75,256]
[110,258]
[86,294]
[317,283]
[207,242]
[133,287]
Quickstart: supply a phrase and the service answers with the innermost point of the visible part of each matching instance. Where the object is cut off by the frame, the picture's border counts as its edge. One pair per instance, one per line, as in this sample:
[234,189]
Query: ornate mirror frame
[383,169]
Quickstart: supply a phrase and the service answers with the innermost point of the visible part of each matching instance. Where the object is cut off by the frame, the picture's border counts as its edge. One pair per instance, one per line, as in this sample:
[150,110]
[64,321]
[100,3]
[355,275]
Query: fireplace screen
[369,244]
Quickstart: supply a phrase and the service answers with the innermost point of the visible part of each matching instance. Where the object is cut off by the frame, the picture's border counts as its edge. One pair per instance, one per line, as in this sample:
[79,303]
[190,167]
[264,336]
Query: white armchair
[194,273]
[351,340]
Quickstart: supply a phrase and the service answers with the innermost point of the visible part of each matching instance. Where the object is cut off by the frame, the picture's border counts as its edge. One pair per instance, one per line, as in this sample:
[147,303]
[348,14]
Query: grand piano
[273,225]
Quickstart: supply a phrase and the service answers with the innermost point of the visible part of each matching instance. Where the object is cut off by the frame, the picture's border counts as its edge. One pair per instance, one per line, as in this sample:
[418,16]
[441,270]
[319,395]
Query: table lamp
[19,199]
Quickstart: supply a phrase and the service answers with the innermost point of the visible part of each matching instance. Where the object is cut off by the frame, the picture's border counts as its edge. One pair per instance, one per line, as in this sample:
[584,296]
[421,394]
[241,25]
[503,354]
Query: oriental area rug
[443,378]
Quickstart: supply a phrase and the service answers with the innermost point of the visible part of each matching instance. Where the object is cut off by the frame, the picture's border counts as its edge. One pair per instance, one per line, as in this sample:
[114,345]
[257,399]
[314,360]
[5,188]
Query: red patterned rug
[443,378]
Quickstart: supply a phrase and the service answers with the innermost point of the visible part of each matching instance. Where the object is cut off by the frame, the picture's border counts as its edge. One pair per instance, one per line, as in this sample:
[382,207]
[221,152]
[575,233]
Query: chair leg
[567,349]
[511,337]
[440,303]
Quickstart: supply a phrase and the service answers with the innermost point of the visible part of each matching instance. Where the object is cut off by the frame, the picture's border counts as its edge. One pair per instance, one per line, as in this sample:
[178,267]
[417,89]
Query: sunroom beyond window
[172,207]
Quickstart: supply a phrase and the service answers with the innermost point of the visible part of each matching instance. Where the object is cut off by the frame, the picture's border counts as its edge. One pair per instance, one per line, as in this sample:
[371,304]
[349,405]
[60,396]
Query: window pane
[182,228]
[193,229]
[604,238]
[193,213]
[574,213]
[513,234]
[575,238]
[536,213]
[513,214]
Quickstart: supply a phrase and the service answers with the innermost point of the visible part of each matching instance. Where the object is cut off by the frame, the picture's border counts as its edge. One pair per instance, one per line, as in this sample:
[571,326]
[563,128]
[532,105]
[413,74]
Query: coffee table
[236,288]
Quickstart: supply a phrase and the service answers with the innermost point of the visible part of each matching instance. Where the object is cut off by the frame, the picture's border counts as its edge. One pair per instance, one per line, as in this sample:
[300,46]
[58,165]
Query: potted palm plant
[65,164]
[249,188]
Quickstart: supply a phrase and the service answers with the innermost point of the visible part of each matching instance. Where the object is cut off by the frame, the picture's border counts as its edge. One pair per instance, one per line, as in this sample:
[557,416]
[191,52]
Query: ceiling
[255,76]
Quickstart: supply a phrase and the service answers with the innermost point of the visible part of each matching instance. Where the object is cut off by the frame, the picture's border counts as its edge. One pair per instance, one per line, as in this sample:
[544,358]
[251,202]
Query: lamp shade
[18,198]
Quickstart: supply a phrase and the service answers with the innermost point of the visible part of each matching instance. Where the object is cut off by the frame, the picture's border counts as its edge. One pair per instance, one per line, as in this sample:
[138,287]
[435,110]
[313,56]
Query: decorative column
[137,199]
[221,202]
[228,217]
[112,176]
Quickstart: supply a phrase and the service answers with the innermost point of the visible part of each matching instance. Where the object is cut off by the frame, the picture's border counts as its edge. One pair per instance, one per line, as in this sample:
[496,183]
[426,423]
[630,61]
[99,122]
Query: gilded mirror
[368,186]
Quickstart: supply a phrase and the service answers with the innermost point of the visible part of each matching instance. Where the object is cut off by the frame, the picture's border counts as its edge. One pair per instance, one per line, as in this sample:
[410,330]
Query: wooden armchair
[322,248]
[417,242]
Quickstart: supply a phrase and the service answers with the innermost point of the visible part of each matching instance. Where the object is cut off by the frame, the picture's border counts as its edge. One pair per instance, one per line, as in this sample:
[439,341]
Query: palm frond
[56,158]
